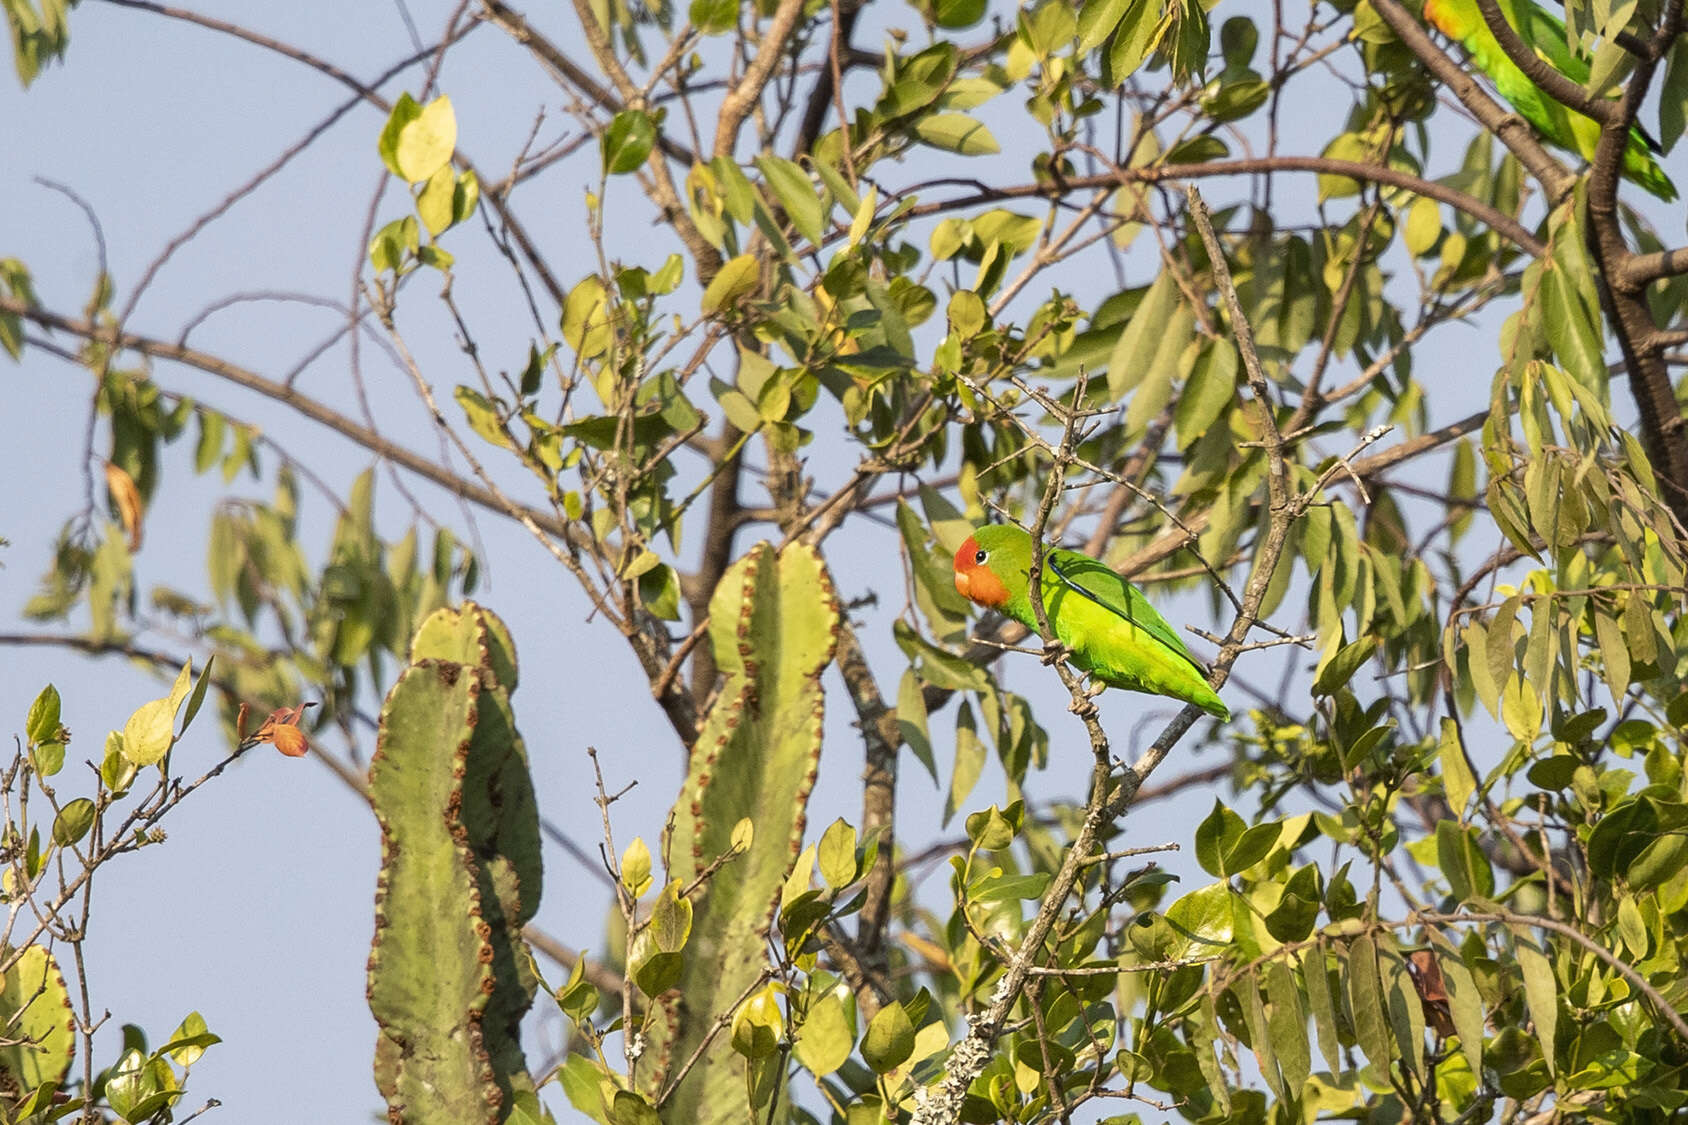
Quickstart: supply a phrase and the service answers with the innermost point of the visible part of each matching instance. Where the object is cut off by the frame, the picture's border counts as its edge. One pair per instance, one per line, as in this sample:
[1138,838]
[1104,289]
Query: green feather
[1558,125]
[1107,623]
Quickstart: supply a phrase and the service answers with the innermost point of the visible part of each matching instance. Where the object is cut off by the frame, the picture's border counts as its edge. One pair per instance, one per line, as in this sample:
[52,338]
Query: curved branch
[663,192]
[1555,179]
[1537,69]
[304,404]
[738,103]
[516,26]
[1624,969]
[1664,431]
[1493,217]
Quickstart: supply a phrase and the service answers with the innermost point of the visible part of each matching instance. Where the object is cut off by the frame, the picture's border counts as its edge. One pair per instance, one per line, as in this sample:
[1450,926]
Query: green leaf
[628,141]
[713,17]
[1213,835]
[1135,37]
[1134,352]
[1673,98]
[911,722]
[48,758]
[969,761]
[43,723]
[1097,20]
[736,278]
[1353,148]
[671,919]
[1202,922]
[657,972]
[796,194]
[1341,667]
[73,822]
[1260,1036]
[953,15]
[937,667]
[1614,652]
[466,194]
[1463,862]
[1323,1007]
[210,446]
[1458,782]
[629,1108]
[586,321]
[957,133]
[1366,1003]
[1541,993]
[425,143]
[187,1043]
[889,1040]
[1423,227]
[1252,847]
[1406,1012]
[117,772]
[824,1041]
[1212,387]
[1226,847]
[179,689]
[405,110]
[1286,1022]
[1466,1006]
[435,203]
[636,868]
[836,855]
[149,732]
[481,416]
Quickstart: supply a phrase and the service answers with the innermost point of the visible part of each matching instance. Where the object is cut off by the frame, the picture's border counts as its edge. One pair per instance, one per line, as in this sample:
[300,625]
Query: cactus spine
[449,973]
[773,627]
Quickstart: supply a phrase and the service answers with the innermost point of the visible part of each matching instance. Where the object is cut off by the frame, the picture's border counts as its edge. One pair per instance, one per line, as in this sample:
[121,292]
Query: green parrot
[1108,625]
[1557,124]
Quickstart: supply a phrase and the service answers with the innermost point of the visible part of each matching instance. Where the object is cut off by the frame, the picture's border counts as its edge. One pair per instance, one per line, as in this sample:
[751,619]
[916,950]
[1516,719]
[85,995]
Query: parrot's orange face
[976,581]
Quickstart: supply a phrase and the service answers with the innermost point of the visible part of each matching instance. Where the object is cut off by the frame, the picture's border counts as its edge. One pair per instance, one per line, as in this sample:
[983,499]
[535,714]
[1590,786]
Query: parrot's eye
[979,558]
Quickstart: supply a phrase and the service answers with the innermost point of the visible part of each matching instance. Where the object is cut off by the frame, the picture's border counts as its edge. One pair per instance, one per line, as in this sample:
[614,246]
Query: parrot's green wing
[1559,125]
[1100,583]
[1117,636]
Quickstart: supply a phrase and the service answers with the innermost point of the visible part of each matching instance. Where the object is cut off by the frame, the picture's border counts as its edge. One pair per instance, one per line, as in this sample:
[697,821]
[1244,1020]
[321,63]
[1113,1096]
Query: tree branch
[1537,69]
[1511,129]
[1502,223]
[738,103]
[1642,270]
[1663,430]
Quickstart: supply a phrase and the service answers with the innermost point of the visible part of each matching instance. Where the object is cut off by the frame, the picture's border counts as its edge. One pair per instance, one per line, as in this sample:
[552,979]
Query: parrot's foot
[1094,688]
[1084,707]
[1055,650]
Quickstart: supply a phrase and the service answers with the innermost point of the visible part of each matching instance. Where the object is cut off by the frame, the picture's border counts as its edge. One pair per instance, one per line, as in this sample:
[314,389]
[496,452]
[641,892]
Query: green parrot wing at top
[1108,625]
[1123,640]
[1557,124]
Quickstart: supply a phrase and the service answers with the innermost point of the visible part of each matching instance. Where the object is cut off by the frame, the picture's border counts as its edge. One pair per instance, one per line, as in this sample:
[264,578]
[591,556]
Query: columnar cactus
[450,976]
[39,1028]
[773,626]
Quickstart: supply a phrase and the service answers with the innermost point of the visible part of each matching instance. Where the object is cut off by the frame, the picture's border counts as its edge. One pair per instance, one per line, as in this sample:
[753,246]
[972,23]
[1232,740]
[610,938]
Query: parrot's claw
[1054,651]
[1095,688]
[1084,708]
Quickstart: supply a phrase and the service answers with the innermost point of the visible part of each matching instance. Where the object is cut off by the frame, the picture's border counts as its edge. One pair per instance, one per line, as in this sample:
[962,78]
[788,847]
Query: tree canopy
[1294,316]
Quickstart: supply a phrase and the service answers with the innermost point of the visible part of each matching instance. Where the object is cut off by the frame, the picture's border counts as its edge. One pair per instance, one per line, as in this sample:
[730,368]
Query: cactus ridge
[450,976]
[774,627]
